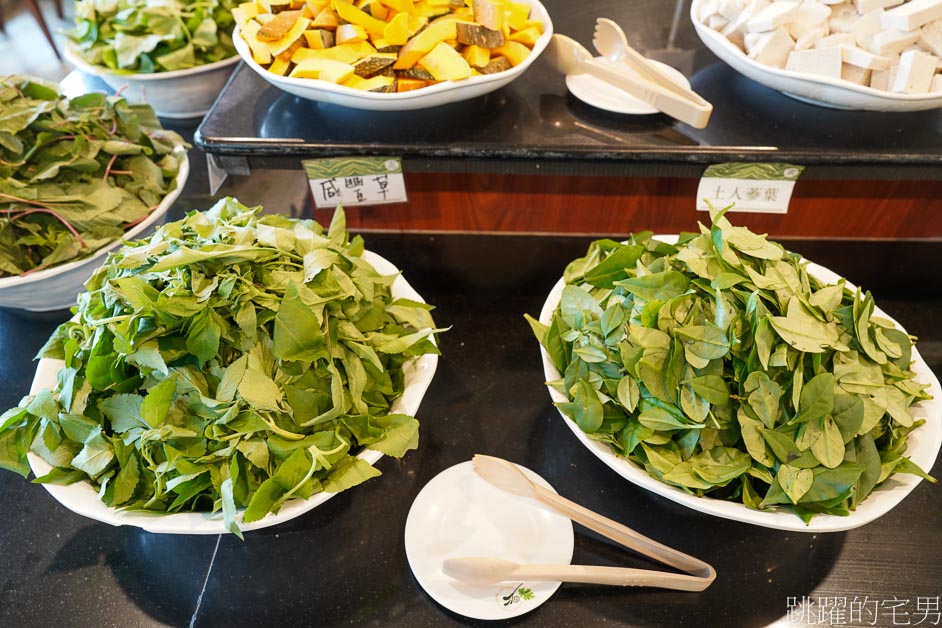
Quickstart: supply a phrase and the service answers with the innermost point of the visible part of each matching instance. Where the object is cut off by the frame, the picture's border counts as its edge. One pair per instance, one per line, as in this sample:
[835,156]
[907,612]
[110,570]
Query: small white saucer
[458,514]
[598,93]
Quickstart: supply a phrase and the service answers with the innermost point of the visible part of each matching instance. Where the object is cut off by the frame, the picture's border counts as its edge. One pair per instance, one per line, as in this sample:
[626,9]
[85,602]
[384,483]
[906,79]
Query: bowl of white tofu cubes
[878,55]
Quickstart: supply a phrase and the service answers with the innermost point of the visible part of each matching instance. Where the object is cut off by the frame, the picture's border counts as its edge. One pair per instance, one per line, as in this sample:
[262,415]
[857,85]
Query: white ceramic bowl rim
[721,40]
[96,70]
[923,448]
[165,202]
[538,48]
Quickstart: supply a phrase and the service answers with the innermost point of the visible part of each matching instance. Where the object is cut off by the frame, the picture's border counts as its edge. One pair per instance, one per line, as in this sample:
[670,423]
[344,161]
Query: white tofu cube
[930,37]
[892,41]
[866,6]
[856,75]
[837,40]
[912,15]
[916,70]
[936,85]
[771,17]
[883,79]
[731,9]
[863,59]
[843,18]
[807,17]
[821,61]
[808,40]
[771,49]
[866,27]
[832,2]
[717,22]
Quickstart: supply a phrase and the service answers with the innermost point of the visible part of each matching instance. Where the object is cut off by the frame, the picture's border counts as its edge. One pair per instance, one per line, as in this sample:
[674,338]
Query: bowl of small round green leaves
[175,55]
[722,372]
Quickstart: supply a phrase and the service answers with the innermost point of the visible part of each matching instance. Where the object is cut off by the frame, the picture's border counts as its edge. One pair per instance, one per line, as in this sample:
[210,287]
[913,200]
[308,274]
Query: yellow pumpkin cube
[514,51]
[445,64]
[323,69]
[527,36]
[423,43]
[350,34]
[260,52]
[477,56]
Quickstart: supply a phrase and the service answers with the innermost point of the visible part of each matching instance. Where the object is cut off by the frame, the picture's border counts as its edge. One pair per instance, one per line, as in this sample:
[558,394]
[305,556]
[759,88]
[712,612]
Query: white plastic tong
[648,83]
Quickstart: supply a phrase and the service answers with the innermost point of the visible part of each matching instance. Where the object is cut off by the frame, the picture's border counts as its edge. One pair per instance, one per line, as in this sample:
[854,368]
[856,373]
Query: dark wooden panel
[609,205]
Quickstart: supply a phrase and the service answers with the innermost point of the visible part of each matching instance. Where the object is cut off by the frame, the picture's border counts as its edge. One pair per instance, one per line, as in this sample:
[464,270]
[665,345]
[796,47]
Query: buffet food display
[391,46]
[733,372]
[889,45]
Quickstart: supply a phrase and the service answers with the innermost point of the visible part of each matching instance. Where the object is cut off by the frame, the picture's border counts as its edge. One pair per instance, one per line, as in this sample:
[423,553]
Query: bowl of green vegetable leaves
[728,375]
[175,55]
[76,176]
[230,373]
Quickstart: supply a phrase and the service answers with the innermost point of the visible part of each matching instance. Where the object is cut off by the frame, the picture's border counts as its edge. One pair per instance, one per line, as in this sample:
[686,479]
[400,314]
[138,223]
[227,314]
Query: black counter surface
[535,126]
[344,562]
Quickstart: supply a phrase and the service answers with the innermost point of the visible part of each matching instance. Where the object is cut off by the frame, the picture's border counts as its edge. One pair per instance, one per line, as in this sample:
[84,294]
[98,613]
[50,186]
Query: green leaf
[124,412]
[585,408]
[794,482]
[805,335]
[260,392]
[578,307]
[614,267]
[713,388]
[204,335]
[400,434]
[817,398]
[156,404]
[661,286]
[95,456]
[829,447]
[348,473]
[126,481]
[298,334]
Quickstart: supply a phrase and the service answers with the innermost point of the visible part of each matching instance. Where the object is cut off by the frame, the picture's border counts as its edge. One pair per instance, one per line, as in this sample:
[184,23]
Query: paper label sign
[748,187]
[351,181]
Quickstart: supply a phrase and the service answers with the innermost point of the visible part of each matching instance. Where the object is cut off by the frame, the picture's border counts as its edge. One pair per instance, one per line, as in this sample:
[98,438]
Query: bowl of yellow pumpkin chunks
[390,55]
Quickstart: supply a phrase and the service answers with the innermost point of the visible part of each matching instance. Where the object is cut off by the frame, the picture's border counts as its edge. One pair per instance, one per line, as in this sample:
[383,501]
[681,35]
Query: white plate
[56,288]
[819,90]
[81,498]
[596,92]
[923,447]
[177,95]
[458,514]
[432,96]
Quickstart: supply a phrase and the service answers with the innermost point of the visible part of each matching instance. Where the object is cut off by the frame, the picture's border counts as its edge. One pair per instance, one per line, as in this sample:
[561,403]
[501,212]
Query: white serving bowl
[922,448]
[817,90]
[56,288]
[179,94]
[432,96]
[82,499]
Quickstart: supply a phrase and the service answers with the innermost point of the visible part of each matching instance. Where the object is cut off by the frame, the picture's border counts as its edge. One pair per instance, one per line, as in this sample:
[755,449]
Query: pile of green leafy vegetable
[75,173]
[146,36]
[722,367]
[230,361]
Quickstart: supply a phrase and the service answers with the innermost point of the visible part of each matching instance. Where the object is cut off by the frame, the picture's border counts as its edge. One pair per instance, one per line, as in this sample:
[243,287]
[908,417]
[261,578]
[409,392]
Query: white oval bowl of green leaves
[175,55]
[77,175]
[256,417]
[175,95]
[801,478]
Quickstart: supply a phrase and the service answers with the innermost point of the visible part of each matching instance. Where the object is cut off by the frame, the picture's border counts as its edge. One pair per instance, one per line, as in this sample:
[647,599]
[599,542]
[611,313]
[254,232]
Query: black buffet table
[344,562]
[534,126]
